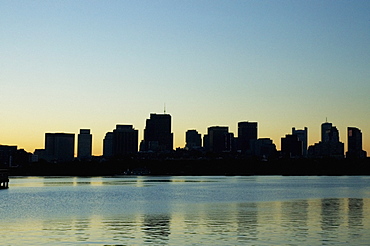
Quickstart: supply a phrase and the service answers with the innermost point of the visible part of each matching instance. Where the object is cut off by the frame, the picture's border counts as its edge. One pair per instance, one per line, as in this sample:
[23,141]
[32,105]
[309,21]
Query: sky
[68,65]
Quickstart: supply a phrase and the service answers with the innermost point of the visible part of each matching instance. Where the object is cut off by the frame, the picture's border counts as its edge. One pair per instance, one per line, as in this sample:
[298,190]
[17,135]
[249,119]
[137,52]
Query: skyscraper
[84,144]
[193,139]
[59,147]
[125,140]
[157,133]
[325,131]
[291,146]
[354,140]
[247,132]
[330,146]
[108,145]
[219,139]
[303,137]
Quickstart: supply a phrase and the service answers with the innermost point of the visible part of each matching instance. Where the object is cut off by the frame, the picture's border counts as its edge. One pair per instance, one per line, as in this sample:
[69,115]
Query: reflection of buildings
[219,139]
[59,147]
[354,137]
[247,132]
[84,144]
[329,146]
[157,133]
[157,228]
[193,139]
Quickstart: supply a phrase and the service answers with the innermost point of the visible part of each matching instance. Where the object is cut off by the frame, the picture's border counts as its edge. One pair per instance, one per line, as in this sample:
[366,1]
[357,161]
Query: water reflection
[135,212]
[156,228]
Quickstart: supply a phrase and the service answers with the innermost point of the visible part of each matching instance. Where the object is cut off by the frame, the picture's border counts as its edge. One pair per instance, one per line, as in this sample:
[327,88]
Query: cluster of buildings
[158,138]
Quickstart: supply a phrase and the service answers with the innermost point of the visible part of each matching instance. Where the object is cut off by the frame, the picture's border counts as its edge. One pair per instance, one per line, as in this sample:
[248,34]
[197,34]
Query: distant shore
[292,167]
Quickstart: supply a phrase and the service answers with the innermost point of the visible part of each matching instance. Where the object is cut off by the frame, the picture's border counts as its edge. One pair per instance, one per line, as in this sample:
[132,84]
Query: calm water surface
[127,210]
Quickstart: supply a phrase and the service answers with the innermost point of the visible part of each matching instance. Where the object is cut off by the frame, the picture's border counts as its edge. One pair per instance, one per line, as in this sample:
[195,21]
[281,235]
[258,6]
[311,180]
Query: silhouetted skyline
[71,65]
[158,138]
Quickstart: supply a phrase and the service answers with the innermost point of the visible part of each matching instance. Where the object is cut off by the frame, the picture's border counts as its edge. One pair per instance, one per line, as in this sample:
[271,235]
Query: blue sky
[67,65]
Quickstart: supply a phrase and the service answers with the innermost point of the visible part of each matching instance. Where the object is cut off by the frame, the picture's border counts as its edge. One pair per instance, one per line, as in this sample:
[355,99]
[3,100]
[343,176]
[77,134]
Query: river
[149,210]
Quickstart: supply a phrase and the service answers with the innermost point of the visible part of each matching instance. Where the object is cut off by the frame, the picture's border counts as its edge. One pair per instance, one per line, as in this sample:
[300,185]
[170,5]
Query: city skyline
[75,65]
[160,124]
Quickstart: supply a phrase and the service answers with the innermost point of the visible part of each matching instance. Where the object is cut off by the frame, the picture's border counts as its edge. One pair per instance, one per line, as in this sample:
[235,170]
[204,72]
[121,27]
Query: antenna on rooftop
[164,109]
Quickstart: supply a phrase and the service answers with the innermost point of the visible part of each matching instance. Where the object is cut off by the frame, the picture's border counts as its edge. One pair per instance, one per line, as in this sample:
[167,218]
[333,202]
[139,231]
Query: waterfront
[251,210]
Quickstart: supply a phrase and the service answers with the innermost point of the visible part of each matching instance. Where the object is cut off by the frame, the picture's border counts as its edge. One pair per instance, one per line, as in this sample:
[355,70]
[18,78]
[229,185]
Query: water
[257,210]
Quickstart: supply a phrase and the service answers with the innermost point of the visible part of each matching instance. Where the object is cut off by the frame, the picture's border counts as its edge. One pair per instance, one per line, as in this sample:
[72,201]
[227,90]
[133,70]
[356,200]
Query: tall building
[193,139]
[247,132]
[6,155]
[291,147]
[108,145]
[157,133]
[125,140]
[326,129]
[219,139]
[329,146]
[84,144]
[354,140]
[303,137]
[59,147]
[263,148]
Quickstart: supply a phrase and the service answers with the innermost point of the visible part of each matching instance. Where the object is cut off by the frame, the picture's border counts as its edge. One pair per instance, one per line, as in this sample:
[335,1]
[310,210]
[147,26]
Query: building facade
[193,139]
[84,145]
[302,135]
[329,146]
[125,140]
[59,147]
[218,139]
[354,141]
[247,133]
[157,133]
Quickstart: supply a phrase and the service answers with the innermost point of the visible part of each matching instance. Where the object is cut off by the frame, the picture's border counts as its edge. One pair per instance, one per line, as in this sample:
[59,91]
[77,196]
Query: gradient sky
[66,65]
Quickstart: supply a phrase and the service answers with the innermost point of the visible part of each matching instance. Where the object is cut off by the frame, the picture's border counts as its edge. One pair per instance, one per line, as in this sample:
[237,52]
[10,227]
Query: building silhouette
[329,146]
[59,147]
[108,145]
[354,141]
[302,135]
[218,139]
[193,139]
[291,146]
[157,133]
[7,155]
[125,140]
[247,133]
[263,148]
[84,144]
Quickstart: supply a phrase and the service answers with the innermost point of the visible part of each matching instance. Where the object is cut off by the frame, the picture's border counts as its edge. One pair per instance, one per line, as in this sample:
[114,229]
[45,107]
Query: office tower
[193,139]
[329,146]
[291,147]
[108,145]
[59,147]
[325,131]
[247,132]
[303,137]
[219,139]
[354,141]
[125,140]
[263,148]
[6,155]
[84,144]
[157,133]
